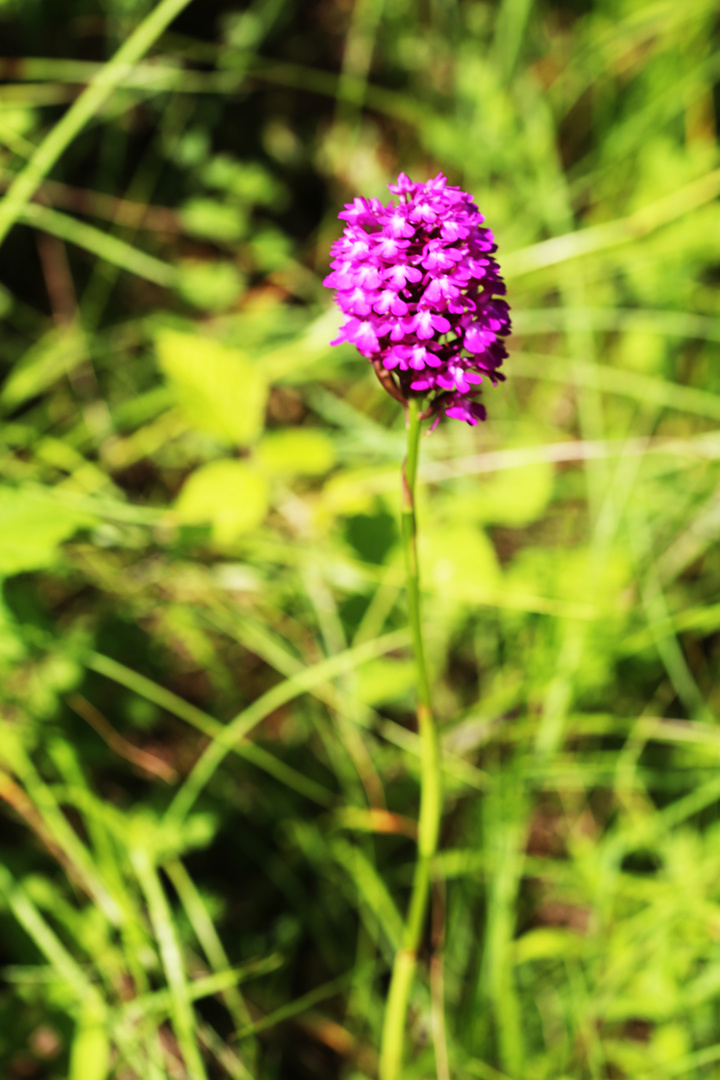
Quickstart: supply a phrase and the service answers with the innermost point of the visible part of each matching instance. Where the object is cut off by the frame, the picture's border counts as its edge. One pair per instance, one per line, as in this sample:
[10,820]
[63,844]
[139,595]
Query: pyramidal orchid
[422,295]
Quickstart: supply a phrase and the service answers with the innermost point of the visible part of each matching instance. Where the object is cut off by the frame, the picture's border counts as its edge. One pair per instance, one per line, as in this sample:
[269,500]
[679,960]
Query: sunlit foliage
[208,762]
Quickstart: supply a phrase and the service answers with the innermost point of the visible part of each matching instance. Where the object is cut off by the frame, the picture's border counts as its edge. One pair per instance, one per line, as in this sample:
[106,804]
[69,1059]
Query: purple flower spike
[419,286]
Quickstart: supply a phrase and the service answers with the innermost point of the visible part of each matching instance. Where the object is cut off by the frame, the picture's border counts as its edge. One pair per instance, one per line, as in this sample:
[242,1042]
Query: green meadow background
[208,755]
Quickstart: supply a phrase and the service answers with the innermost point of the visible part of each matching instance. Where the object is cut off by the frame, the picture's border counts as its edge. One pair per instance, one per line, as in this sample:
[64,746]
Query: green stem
[108,247]
[393,1036]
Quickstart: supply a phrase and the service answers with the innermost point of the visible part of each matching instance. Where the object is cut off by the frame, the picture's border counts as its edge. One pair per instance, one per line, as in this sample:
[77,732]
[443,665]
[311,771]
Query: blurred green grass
[198,504]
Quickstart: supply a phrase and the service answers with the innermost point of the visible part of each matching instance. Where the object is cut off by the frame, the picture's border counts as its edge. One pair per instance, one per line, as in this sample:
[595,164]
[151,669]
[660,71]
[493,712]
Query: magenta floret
[420,288]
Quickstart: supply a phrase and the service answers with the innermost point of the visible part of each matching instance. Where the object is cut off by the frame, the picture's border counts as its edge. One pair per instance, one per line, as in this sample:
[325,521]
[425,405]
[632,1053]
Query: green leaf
[90,1053]
[577,577]
[31,527]
[20,120]
[12,647]
[299,451]
[213,220]
[231,496]
[217,388]
[384,680]
[245,180]
[459,560]
[355,491]
[515,497]
[272,249]
[211,286]
[639,350]
[547,943]
[164,838]
[56,353]
[192,149]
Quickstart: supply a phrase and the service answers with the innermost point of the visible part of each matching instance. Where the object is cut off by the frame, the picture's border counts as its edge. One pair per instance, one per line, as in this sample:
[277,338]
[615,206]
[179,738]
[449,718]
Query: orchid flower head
[422,294]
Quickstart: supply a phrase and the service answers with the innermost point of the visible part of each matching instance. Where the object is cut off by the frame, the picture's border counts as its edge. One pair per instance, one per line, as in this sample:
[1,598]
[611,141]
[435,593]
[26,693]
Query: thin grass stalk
[393,1036]
[91,101]
[181,1008]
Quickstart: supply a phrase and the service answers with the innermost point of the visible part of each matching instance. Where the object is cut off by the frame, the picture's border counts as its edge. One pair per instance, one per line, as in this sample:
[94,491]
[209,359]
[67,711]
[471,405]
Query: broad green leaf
[547,943]
[247,181]
[31,527]
[193,148]
[639,350]
[213,220]
[670,1042]
[579,576]
[458,560]
[355,491]
[272,249]
[231,496]
[211,286]
[19,121]
[302,451]
[372,536]
[217,388]
[514,497]
[384,680]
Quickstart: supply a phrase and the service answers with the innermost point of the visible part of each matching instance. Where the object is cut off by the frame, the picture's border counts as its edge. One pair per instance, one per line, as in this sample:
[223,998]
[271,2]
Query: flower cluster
[419,286]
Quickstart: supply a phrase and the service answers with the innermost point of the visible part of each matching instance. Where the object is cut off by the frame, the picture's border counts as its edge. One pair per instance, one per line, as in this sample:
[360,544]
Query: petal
[477,339]
[346,332]
[391,359]
[423,325]
[365,338]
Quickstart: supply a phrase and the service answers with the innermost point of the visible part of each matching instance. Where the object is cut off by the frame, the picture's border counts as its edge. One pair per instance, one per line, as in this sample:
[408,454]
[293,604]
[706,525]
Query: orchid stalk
[421,291]
[431,776]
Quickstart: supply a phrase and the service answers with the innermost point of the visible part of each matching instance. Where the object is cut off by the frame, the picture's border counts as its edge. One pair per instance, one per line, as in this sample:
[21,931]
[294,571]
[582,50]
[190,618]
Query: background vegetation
[198,503]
